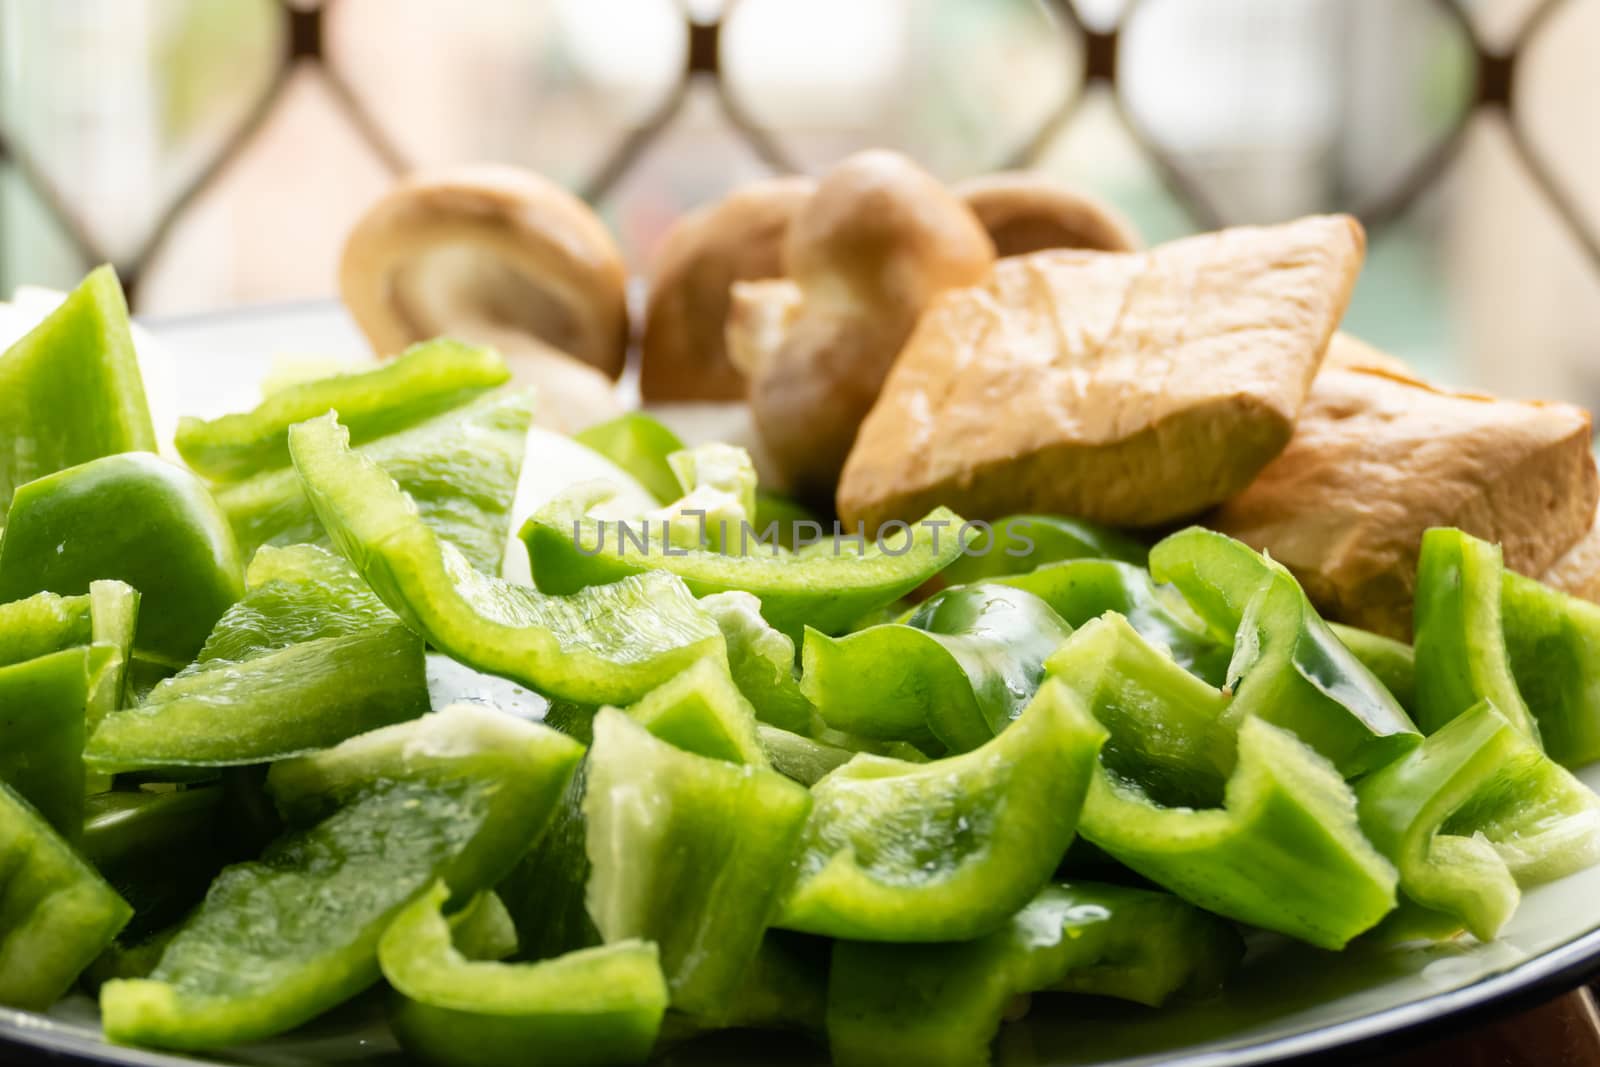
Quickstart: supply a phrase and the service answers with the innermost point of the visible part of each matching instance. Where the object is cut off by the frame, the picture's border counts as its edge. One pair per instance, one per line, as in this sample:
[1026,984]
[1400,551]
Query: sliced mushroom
[1027,212]
[739,238]
[877,240]
[496,255]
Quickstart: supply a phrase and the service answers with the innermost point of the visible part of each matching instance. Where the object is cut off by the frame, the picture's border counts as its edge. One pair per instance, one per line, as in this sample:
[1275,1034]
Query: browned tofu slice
[1379,456]
[1127,388]
[1577,572]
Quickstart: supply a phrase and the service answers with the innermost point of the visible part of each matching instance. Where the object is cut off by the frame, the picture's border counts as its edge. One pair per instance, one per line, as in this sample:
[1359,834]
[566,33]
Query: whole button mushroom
[1028,212]
[500,256]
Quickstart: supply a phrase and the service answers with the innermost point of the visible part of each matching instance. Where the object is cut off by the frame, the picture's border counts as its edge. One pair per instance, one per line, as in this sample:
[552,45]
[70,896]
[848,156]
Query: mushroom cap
[738,238]
[487,248]
[1027,212]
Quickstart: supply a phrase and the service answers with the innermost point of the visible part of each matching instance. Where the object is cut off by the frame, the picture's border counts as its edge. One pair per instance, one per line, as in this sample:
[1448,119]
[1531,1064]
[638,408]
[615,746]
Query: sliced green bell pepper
[1473,812]
[1553,641]
[306,659]
[640,445]
[702,711]
[43,711]
[457,795]
[426,379]
[761,661]
[1391,662]
[459,468]
[56,913]
[159,850]
[719,497]
[1019,544]
[1288,667]
[942,1004]
[826,586]
[1284,850]
[544,892]
[136,518]
[610,643]
[801,758]
[945,851]
[960,668]
[71,391]
[689,852]
[1459,642]
[598,1005]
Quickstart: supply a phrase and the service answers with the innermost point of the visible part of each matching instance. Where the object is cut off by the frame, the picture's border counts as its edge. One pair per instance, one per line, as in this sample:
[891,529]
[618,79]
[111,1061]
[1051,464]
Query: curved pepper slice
[1283,851]
[958,669]
[827,586]
[1287,666]
[424,380]
[1553,642]
[56,913]
[942,1004]
[610,643]
[158,850]
[43,710]
[1020,544]
[1084,589]
[702,711]
[71,391]
[459,468]
[1391,662]
[594,1006]
[945,851]
[306,659]
[131,517]
[761,661]
[689,852]
[1458,637]
[457,795]
[801,758]
[1474,811]
[640,445]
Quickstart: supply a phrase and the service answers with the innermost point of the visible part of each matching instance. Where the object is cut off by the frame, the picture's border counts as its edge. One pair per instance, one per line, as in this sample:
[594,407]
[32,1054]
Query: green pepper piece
[70,391]
[307,658]
[775,511]
[702,711]
[959,669]
[827,586]
[943,1004]
[1288,667]
[801,758]
[544,892]
[1020,544]
[1553,641]
[374,822]
[599,1005]
[425,380]
[43,709]
[1475,810]
[945,851]
[611,643]
[132,517]
[1391,662]
[640,445]
[761,661]
[689,852]
[1083,589]
[158,850]
[46,622]
[718,499]
[1458,638]
[460,468]
[56,913]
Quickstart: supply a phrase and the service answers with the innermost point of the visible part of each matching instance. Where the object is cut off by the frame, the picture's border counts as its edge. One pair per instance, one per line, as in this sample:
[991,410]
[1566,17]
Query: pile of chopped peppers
[873,795]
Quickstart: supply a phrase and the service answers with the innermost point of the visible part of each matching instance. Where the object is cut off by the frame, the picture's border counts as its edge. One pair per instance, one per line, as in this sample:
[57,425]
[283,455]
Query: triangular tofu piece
[1131,389]
[1379,456]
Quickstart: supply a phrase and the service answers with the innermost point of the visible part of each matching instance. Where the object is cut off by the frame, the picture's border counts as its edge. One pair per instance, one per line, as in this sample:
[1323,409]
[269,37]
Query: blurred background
[218,150]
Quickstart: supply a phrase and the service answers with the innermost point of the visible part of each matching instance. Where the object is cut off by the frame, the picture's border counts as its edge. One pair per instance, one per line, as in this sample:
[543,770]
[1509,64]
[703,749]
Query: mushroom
[740,238]
[872,246]
[500,256]
[1027,212]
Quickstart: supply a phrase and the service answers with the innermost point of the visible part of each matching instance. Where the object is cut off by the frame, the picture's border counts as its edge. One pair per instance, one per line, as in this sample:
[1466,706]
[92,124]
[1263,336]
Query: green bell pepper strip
[1083,589]
[761,661]
[425,380]
[482,930]
[945,851]
[374,822]
[70,391]
[598,1005]
[689,852]
[607,644]
[798,757]
[1553,641]
[158,850]
[960,668]
[702,711]
[308,658]
[1473,812]
[460,468]
[544,892]
[640,445]
[785,988]
[1458,637]
[1019,544]
[1391,662]
[718,499]
[43,709]
[941,1005]
[827,586]
[56,913]
[131,517]
[47,622]
[1288,667]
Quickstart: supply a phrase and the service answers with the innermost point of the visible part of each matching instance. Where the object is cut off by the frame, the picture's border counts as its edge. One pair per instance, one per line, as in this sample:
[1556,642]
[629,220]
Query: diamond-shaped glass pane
[1558,103]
